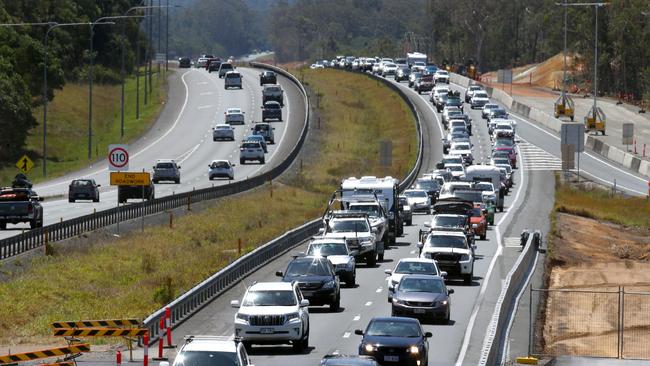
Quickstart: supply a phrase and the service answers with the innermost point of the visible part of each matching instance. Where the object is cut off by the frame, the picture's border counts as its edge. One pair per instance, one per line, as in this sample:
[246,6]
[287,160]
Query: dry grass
[134,275]
[67,128]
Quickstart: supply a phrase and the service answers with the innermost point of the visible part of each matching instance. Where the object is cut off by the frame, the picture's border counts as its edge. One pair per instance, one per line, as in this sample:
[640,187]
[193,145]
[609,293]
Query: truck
[387,190]
[487,173]
[18,205]
[413,57]
[273,92]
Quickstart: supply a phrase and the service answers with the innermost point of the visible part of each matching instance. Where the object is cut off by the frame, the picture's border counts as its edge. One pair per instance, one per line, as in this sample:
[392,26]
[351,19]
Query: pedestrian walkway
[535,158]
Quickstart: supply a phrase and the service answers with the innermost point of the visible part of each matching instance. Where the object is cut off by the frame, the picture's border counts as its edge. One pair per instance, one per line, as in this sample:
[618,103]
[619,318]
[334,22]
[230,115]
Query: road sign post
[118,157]
[628,134]
[574,134]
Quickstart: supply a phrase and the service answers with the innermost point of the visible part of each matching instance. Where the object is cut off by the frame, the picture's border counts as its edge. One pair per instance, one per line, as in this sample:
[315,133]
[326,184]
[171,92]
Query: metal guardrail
[36,238]
[202,294]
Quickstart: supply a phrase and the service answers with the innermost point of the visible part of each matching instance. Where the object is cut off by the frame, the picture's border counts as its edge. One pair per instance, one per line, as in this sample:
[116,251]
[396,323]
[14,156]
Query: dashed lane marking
[356,318]
[369,303]
[346,335]
[512,242]
[379,290]
[204,106]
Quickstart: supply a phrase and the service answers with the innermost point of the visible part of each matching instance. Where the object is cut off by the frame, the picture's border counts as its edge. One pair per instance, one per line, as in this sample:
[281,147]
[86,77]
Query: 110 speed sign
[118,157]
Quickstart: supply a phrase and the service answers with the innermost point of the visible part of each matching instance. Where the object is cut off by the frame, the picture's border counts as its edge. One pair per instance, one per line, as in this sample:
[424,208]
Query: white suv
[273,313]
[452,253]
[211,350]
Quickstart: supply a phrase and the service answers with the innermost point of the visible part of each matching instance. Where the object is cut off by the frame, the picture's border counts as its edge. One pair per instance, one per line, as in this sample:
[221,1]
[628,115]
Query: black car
[268,77]
[83,189]
[316,279]
[213,65]
[271,110]
[395,341]
[127,192]
[184,62]
[345,360]
[430,185]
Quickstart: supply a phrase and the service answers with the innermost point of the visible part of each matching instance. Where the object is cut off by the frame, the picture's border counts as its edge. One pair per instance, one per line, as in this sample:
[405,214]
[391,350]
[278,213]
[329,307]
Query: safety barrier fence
[196,298]
[36,238]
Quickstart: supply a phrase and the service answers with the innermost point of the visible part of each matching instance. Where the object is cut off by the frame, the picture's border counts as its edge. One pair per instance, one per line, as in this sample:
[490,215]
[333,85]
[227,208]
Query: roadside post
[118,160]
[141,179]
[573,134]
[628,135]
[168,325]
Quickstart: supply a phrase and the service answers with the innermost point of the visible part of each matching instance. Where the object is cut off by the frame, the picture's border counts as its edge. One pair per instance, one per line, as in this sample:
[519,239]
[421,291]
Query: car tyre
[3,226]
[371,259]
[484,236]
[409,222]
[71,200]
[352,280]
[380,257]
[96,199]
[467,278]
[302,344]
[336,304]
[242,161]
[248,345]
[262,161]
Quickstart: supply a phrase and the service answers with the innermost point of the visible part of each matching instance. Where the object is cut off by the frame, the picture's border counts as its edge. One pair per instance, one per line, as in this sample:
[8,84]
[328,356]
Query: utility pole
[167,37]
[159,36]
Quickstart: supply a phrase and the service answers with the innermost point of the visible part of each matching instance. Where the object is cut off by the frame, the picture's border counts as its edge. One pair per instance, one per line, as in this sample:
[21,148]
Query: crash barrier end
[46,353]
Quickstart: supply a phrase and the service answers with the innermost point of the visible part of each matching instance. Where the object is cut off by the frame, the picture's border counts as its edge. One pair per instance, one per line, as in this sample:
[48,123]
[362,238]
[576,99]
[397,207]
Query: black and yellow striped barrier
[108,323]
[99,332]
[47,353]
[62,363]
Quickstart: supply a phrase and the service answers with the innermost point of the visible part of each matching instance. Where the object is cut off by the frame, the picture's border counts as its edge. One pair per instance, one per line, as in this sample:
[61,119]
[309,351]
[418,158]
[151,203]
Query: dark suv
[184,62]
[316,279]
[268,77]
[271,110]
[213,64]
[85,189]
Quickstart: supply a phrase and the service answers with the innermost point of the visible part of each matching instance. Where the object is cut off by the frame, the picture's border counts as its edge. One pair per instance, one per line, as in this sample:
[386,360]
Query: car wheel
[248,345]
[262,161]
[447,318]
[155,181]
[231,177]
[409,222]
[380,257]
[467,278]
[3,226]
[96,199]
[33,224]
[352,280]
[178,181]
[71,200]
[242,161]
[484,236]
[501,209]
[334,306]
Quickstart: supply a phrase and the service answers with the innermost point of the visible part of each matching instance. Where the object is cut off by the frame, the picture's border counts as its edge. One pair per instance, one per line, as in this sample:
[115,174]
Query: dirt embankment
[593,259]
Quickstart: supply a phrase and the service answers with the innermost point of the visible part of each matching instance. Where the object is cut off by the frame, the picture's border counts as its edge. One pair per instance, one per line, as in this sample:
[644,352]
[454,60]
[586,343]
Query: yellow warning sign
[25,164]
[129,179]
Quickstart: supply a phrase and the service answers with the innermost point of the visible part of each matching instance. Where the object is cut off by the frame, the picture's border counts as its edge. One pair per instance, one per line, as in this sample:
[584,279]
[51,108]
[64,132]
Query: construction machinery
[595,120]
[564,106]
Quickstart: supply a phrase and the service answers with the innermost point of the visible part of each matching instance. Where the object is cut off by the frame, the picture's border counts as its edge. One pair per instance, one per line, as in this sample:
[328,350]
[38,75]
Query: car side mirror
[420,245]
[179,167]
[279,274]
[388,271]
[304,303]
[443,274]
[321,231]
[358,332]
[428,335]
[450,291]
[234,303]
[99,185]
[233,165]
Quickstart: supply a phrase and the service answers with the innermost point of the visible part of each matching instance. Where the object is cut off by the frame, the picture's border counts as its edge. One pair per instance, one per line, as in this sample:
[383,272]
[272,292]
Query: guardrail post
[171,220]
[189,201]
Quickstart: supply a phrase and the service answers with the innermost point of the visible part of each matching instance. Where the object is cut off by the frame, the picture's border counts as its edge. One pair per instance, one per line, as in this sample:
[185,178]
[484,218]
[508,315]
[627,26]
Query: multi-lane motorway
[183,132]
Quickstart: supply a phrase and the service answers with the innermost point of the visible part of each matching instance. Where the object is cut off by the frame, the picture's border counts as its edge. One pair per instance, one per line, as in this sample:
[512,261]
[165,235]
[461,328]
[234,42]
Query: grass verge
[136,274]
[67,127]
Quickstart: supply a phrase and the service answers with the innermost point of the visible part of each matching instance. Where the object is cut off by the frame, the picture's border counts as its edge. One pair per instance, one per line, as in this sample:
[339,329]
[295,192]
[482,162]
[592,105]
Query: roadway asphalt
[198,101]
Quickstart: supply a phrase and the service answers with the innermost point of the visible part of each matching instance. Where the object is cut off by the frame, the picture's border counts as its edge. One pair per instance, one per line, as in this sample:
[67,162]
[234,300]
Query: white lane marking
[336,352]
[412,252]
[189,153]
[206,93]
[346,335]
[178,118]
[486,279]
[204,106]
[369,303]
[511,242]
[379,290]
[201,83]
[356,318]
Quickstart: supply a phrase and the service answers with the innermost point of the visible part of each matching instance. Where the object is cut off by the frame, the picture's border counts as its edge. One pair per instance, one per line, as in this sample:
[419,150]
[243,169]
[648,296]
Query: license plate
[418,311]
[391,358]
[266,331]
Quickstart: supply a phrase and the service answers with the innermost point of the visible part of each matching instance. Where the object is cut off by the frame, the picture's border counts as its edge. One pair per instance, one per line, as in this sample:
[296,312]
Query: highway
[183,132]
[335,332]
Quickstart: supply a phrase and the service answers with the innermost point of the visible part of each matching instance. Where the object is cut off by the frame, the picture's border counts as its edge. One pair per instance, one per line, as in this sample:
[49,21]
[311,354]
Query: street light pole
[167,36]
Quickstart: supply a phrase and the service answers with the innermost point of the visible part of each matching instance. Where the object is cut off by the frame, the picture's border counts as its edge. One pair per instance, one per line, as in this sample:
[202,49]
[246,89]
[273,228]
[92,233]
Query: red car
[479,223]
[512,155]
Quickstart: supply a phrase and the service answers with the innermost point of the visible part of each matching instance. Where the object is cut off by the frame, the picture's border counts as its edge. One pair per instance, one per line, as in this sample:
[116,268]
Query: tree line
[22,55]
[494,34]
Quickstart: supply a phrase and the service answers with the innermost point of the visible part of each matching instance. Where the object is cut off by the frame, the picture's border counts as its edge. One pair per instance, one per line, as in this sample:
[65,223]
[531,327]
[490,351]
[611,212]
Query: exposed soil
[597,258]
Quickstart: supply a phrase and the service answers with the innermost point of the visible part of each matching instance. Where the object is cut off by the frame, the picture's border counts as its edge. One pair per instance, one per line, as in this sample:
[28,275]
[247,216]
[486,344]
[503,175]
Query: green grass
[601,205]
[136,274]
[67,127]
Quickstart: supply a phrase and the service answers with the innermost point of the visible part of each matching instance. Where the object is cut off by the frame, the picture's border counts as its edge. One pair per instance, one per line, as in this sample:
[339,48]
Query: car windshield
[234,111]
[442,73]
[421,285]
[270,298]
[504,127]
[416,268]
[343,226]
[476,212]
[251,145]
[460,147]
[272,106]
[232,75]
[474,196]
[226,66]
[453,160]
[474,88]
[480,95]
[308,268]
[484,186]
[261,128]
[82,183]
[226,127]
[272,88]
[220,165]
[390,328]
[415,194]
[504,142]
[447,221]
[455,168]
[371,210]
[164,166]
[428,184]
[206,358]
[501,161]
[327,249]
[446,241]
[491,106]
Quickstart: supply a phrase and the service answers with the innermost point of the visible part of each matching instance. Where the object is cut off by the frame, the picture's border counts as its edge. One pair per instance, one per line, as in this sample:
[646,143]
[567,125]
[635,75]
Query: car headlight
[329,284]
[414,350]
[369,348]
[464,257]
[243,317]
[397,301]
[442,303]
[292,316]
[366,243]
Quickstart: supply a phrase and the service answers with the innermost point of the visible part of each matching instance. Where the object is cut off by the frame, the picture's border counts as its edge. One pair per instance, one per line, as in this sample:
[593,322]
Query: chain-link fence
[606,322]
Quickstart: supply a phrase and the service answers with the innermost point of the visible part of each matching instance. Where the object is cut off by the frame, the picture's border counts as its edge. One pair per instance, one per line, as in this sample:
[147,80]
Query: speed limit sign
[118,157]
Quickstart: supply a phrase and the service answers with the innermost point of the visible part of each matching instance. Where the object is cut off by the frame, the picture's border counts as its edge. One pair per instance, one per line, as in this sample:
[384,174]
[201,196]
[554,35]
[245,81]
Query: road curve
[185,134]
